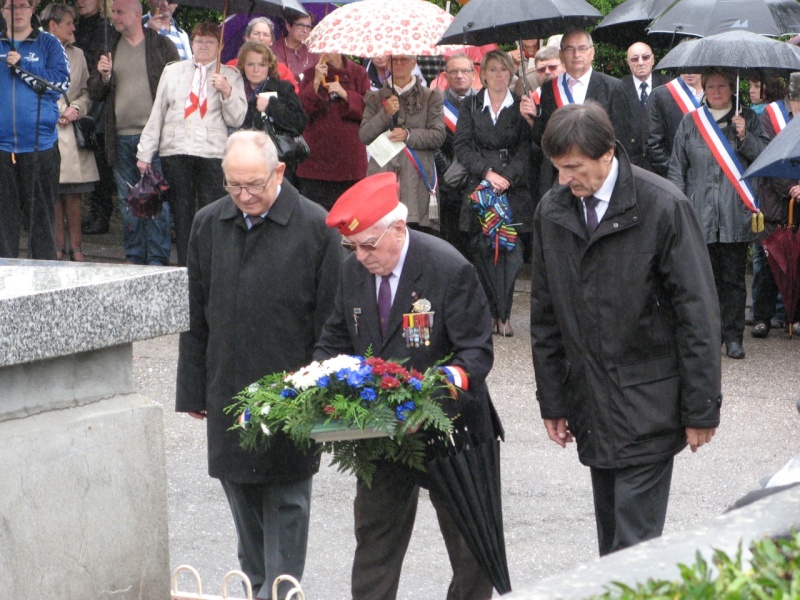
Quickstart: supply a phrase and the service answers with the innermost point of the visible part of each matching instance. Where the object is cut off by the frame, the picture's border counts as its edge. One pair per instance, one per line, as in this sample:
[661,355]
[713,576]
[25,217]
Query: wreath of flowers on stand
[361,409]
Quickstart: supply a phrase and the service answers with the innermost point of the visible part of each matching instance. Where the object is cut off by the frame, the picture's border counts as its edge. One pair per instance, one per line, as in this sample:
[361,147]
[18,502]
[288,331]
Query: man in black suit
[391,269]
[579,82]
[629,103]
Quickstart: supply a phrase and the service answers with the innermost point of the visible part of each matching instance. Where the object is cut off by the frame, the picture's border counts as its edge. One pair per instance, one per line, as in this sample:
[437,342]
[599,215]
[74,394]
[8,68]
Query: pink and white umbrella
[381,28]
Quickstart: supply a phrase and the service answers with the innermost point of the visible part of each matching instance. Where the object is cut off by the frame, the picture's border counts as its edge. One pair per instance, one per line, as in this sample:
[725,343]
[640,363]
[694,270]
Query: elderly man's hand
[698,437]
[558,431]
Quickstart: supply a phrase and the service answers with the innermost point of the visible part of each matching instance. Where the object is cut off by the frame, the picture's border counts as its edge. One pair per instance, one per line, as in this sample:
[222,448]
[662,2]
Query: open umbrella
[782,157]
[703,18]
[467,476]
[381,28]
[496,256]
[500,21]
[627,22]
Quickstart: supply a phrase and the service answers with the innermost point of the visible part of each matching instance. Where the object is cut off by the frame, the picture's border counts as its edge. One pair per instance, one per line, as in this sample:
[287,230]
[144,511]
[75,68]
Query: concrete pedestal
[83,508]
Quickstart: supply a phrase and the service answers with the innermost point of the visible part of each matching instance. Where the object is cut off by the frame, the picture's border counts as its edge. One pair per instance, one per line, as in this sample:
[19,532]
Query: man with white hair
[263,269]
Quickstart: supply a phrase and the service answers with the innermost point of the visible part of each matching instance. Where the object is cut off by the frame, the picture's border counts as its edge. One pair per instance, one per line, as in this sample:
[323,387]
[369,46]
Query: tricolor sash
[724,155]
[412,156]
[561,92]
[536,96]
[450,115]
[778,115]
[682,95]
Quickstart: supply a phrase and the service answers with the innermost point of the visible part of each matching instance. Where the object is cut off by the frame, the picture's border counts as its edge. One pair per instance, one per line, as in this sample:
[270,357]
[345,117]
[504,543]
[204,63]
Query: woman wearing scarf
[723,215]
[268,96]
[188,127]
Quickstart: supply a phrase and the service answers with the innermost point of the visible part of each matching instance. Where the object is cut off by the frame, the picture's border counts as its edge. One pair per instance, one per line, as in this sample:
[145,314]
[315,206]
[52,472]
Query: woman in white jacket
[188,128]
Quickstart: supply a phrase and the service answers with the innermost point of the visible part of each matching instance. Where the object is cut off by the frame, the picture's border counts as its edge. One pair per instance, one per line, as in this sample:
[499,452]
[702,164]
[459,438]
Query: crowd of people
[608,184]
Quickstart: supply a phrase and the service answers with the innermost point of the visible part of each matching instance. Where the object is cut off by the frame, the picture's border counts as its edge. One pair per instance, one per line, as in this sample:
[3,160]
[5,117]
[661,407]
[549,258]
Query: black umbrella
[782,157]
[703,18]
[467,476]
[733,50]
[500,21]
[627,23]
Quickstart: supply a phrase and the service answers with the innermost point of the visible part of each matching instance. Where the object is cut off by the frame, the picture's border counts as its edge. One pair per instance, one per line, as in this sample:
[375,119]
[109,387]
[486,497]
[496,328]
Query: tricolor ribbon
[536,96]
[682,95]
[724,154]
[457,379]
[778,115]
[414,158]
[450,115]
[244,418]
[561,92]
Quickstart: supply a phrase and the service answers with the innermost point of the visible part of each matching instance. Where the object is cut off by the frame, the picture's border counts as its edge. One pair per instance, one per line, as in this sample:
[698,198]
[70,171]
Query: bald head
[640,60]
[126,16]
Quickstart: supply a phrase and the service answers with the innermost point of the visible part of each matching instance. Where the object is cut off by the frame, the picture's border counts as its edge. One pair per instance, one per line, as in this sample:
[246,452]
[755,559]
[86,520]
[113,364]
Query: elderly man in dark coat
[625,323]
[391,269]
[263,270]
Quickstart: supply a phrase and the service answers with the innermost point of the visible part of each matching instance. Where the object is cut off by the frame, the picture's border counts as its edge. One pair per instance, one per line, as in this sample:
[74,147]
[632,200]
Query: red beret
[364,204]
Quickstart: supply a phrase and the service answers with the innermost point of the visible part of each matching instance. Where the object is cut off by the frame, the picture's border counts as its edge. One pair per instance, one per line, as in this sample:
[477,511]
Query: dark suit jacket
[257,302]
[663,117]
[435,271]
[629,119]
[601,87]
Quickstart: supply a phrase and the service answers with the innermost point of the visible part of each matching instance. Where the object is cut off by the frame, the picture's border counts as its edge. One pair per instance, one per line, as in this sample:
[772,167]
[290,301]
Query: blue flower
[323,381]
[368,394]
[403,410]
[289,393]
[415,383]
[342,374]
[355,379]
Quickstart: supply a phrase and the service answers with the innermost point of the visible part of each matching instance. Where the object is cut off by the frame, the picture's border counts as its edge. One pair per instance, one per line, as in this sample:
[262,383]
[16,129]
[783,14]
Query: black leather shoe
[735,350]
[760,330]
[96,227]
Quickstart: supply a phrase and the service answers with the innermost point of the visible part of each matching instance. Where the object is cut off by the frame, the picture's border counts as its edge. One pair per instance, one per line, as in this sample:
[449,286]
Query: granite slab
[50,309]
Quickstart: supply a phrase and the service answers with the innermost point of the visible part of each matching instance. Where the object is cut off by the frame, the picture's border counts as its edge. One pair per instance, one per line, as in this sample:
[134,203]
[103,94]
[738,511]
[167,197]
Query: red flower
[389,383]
[416,374]
[329,409]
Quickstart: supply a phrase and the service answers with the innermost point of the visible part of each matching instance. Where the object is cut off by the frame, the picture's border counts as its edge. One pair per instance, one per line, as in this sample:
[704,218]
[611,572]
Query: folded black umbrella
[467,476]
[146,199]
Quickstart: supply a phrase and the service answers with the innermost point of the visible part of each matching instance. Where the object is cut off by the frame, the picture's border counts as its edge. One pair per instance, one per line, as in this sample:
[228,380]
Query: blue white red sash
[778,116]
[450,115]
[724,155]
[682,95]
[412,156]
[561,92]
[536,96]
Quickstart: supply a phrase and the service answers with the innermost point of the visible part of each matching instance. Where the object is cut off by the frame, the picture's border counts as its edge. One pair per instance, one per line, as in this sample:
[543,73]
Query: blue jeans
[147,241]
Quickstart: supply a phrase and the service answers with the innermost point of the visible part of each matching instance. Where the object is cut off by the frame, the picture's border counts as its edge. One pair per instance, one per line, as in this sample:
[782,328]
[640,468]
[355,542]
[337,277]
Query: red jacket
[337,153]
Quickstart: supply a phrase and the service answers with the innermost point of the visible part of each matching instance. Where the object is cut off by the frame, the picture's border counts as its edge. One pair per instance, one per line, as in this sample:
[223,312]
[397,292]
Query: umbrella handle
[791,213]
[222,36]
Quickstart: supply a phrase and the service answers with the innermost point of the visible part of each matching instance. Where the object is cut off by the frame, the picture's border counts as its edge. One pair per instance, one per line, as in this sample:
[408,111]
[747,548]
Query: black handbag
[86,132]
[292,149]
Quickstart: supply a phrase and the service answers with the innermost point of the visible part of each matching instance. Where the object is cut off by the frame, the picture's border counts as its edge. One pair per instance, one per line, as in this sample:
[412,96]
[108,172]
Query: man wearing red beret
[392,270]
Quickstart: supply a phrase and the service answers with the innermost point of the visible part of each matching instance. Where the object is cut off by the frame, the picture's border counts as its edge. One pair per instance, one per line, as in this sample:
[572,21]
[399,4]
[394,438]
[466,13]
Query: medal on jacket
[417,324]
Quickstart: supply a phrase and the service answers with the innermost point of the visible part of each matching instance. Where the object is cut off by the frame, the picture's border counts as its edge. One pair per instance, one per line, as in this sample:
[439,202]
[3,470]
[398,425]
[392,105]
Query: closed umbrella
[703,18]
[783,254]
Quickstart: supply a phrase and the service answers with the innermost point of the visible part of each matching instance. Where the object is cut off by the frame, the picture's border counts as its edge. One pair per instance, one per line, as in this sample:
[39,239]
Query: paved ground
[547,497]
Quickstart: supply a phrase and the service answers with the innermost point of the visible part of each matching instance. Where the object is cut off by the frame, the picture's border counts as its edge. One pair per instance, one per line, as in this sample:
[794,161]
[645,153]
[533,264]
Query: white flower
[306,377]
[337,363]
[266,430]
[265,410]
[252,388]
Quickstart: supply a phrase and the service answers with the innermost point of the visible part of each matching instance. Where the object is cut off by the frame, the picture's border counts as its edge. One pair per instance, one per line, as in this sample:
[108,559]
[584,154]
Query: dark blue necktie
[643,96]
[591,213]
[384,303]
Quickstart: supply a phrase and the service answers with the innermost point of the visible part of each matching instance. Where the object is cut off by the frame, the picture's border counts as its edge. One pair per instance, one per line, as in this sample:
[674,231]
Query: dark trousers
[729,263]
[29,180]
[272,526]
[630,504]
[324,193]
[101,200]
[194,182]
[767,303]
[384,520]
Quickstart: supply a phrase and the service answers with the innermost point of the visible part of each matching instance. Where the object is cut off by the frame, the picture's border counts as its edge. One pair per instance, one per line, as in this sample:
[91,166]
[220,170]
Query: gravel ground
[548,515]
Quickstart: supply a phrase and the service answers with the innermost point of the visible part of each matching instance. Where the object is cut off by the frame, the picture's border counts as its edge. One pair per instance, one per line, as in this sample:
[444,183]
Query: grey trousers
[630,504]
[384,520]
[272,526]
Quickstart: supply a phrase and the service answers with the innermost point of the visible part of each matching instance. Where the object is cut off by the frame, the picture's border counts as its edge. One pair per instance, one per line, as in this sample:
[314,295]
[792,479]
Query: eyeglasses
[642,58]
[368,246]
[551,68]
[303,26]
[17,7]
[459,71]
[576,49]
[252,189]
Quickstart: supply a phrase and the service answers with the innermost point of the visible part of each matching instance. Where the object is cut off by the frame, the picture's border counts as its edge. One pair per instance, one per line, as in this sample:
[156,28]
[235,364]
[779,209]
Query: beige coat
[77,164]
[169,133]
[420,113]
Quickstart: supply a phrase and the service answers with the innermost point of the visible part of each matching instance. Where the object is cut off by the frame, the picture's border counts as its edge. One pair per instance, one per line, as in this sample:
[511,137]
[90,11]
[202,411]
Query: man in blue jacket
[29,159]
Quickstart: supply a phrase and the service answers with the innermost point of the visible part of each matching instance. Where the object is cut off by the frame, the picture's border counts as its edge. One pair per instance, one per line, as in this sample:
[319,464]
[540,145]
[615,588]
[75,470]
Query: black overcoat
[435,271]
[257,302]
[625,325]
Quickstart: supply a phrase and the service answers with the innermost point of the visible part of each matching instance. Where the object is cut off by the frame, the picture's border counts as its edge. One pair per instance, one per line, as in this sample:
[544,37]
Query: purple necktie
[591,213]
[384,302]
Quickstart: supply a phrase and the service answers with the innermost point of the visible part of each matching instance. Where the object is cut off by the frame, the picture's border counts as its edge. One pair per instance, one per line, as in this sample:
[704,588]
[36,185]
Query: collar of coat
[280,212]
[622,212]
